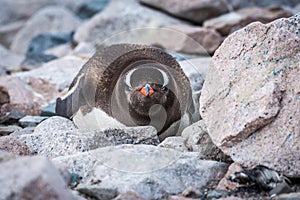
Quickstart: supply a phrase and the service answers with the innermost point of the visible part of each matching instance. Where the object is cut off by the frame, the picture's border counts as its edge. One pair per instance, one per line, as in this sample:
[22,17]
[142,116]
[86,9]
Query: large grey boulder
[119,21]
[32,178]
[58,136]
[52,19]
[250,100]
[145,169]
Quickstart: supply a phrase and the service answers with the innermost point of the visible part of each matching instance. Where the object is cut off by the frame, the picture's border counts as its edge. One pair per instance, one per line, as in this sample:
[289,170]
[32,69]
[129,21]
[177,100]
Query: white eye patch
[146,74]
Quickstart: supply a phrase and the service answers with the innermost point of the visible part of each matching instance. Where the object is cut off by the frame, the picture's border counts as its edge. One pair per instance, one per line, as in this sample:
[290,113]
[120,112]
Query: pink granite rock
[251,97]
[227,23]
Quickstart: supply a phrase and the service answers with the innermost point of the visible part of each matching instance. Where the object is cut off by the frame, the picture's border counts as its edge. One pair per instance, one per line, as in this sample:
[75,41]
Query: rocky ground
[243,62]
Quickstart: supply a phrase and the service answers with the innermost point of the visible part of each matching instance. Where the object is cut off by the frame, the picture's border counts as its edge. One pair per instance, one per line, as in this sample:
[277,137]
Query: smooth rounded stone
[52,19]
[175,142]
[108,26]
[32,178]
[9,61]
[250,99]
[13,145]
[194,40]
[230,22]
[54,124]
[6,130]
[196,139]
[54,142]
[31,121]
[145,169]
[59,72]
[195,11]
[89,9]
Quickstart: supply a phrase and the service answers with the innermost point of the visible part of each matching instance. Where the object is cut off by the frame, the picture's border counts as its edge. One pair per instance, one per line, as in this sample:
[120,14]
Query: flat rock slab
[32,178]
[145,169]
[250,100]
[195,11]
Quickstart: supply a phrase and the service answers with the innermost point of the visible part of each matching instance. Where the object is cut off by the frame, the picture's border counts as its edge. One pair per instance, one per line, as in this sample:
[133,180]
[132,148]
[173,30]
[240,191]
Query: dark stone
[89,9]
[35,52]
[49,110]
[42,42]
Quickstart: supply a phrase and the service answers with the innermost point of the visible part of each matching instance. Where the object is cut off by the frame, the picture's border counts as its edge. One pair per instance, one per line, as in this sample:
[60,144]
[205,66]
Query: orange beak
[147,90]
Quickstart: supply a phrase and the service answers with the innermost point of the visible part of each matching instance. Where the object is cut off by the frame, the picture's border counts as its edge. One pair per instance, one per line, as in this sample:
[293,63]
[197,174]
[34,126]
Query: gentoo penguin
[136,84]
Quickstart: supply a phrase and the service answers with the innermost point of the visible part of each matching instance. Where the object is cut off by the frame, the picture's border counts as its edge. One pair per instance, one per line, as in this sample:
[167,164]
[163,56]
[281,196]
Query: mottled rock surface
[193,10]
[57,136]
[52,19]
[12,145]
[32,178]
[148,170]
[251,97]
[227,23]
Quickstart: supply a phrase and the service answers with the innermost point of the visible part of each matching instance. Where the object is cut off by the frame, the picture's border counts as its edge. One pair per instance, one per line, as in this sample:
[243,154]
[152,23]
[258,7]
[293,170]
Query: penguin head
[146,87]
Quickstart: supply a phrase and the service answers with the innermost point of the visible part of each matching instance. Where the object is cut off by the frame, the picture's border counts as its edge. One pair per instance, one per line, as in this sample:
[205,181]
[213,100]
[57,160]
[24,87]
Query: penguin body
[135,84]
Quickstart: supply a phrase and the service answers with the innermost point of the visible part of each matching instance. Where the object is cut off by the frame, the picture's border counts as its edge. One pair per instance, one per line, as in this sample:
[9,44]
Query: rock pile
[247,95]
